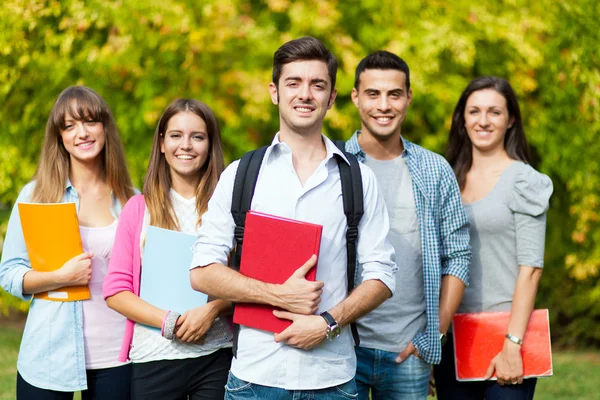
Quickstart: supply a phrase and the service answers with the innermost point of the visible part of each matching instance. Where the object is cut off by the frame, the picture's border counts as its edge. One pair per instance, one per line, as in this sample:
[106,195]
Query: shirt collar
[330,147]
[353,147]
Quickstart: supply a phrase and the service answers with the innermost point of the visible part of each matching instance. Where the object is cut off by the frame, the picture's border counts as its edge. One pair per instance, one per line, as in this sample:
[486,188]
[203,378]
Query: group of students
[436,236]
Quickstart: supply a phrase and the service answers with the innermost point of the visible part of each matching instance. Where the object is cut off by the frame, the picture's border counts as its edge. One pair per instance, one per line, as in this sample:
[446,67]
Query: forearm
[523,300]
[136,309]
[37,282]
[366,297]
[222,307]
[451,294]
[222,282]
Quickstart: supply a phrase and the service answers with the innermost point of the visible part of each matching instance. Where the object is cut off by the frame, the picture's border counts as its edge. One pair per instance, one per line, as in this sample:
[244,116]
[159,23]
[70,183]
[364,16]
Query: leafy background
[141,55]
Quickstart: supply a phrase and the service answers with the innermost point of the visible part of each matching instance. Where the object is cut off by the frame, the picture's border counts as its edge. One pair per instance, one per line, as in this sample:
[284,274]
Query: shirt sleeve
[215,236]
[374,250]
[455,248]
[119,277]
[15,260]
[529,202]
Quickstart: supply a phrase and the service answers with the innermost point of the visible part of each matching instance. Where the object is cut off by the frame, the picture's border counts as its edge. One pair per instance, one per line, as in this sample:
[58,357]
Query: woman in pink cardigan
[191,354]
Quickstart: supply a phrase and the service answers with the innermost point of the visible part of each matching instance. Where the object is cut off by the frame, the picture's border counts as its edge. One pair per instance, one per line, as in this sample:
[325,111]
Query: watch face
[443,339]
[333,332]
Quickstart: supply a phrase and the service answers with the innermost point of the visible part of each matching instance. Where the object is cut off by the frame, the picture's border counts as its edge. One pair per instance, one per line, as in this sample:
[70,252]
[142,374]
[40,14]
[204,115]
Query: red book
[478,337]
[274,247]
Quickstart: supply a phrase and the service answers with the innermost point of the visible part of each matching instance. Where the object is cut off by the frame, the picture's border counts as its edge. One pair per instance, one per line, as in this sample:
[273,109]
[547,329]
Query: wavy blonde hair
[53,169]
[157,183]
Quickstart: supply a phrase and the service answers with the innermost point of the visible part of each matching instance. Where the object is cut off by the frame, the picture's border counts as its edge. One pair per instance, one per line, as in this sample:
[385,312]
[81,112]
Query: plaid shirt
[444,231]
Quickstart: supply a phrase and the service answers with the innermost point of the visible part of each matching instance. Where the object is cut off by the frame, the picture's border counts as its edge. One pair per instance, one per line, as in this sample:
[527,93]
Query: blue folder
[165,281]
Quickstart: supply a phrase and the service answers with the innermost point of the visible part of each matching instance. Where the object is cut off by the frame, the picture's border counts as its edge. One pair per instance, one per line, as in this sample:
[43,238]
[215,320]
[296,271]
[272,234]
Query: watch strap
[328,318]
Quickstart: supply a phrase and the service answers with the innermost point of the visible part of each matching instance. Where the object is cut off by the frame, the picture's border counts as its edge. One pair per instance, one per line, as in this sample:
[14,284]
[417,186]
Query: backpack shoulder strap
[241,200]
[243,191]
[352,195]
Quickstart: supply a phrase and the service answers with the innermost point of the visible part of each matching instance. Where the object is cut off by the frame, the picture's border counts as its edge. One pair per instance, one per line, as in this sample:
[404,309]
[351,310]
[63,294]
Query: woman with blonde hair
[72,346]
[191,354]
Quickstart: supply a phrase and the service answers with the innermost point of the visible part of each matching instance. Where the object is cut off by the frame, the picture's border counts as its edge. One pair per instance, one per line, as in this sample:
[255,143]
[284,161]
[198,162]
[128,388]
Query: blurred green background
[141,55]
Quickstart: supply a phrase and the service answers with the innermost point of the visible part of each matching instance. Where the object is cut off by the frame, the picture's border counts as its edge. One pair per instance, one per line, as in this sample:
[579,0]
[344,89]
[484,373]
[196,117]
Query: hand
[508,365]
[193,324]
[77,271]
[298,295]
[306,331]
[408,350]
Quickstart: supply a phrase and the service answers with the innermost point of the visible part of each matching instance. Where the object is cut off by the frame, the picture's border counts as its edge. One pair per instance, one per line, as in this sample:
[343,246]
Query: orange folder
[51,232]
[478,337]
[274,247]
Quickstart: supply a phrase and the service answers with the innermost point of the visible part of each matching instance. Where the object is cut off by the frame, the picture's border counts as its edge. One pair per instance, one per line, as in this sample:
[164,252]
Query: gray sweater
[508,228]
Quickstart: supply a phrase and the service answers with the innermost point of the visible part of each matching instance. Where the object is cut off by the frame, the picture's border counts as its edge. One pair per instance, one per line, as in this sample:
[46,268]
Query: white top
[148,344]
[278,191]
[103,328]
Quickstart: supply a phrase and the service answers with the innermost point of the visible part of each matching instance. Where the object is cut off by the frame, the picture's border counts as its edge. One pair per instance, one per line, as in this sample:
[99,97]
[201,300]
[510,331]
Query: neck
[184,186]
[86,175]
[490,159]
[305,147]
[381,148]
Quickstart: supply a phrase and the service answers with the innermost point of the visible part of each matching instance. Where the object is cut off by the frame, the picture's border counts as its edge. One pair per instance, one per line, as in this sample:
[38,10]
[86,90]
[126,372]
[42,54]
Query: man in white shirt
[299,179]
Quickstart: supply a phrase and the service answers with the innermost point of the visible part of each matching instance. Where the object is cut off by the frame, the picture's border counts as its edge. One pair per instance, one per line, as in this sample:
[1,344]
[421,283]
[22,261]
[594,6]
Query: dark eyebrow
[312,81]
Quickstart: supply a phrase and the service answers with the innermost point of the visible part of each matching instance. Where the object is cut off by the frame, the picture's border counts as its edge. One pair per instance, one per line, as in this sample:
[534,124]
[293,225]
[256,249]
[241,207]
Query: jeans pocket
[235,385]
[347,390]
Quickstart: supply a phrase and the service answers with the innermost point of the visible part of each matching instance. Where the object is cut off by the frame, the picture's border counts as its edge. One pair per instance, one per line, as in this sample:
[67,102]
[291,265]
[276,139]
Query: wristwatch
[443,339]
[333,329]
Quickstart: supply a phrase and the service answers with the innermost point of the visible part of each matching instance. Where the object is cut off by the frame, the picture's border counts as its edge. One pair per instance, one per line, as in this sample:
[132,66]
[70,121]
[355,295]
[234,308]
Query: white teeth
[184,157]
[303,109]
[383,119]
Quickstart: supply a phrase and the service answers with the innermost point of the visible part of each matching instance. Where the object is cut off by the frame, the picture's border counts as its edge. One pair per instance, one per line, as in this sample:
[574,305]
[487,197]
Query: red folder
[478,337]
[274,247]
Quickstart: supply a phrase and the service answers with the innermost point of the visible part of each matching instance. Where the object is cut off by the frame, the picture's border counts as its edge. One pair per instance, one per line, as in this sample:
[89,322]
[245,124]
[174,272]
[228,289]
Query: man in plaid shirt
[428,229]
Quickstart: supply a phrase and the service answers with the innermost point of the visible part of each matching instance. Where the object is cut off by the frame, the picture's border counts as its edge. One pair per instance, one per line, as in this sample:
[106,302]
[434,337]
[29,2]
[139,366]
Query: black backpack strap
[241,200]
[352,194]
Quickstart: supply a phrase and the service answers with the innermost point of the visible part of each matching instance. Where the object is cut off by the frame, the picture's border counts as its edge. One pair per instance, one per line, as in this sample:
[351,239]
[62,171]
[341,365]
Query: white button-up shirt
[278,191]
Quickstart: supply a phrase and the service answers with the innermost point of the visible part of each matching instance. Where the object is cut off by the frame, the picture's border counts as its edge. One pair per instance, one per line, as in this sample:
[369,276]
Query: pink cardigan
[124,269]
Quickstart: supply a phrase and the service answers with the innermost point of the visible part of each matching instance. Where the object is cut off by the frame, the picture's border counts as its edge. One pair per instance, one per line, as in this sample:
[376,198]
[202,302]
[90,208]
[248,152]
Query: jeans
[448,388]
[237,389]
[105,383]
[378,372]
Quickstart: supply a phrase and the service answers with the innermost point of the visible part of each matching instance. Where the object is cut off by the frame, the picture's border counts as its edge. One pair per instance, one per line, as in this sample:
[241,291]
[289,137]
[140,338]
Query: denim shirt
[444,231]
[52,349]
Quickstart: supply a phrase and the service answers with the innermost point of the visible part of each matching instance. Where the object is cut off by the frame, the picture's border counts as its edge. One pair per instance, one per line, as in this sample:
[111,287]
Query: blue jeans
[237,389]
[448,388]
[378,372]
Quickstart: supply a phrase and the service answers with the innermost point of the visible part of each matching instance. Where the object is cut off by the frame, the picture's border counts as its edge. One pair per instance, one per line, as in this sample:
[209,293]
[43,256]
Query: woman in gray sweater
[506,202]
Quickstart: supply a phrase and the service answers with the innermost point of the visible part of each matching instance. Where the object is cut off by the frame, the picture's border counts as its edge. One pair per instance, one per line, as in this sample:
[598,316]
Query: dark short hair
[460,149]
[382,60]
[303,49]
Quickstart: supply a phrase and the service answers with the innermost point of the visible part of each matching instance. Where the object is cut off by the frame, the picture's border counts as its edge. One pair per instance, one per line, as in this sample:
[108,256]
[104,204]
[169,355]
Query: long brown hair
[157,183]
[460,149]
[53,169]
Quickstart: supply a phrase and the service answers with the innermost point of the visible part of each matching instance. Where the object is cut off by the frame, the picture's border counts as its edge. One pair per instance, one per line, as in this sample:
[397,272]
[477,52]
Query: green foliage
[141,55]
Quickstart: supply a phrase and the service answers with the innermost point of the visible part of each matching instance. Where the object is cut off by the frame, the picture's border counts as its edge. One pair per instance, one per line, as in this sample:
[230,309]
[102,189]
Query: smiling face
[487,120]
[83,139]
[304,94]
[185,144]
[382,101]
